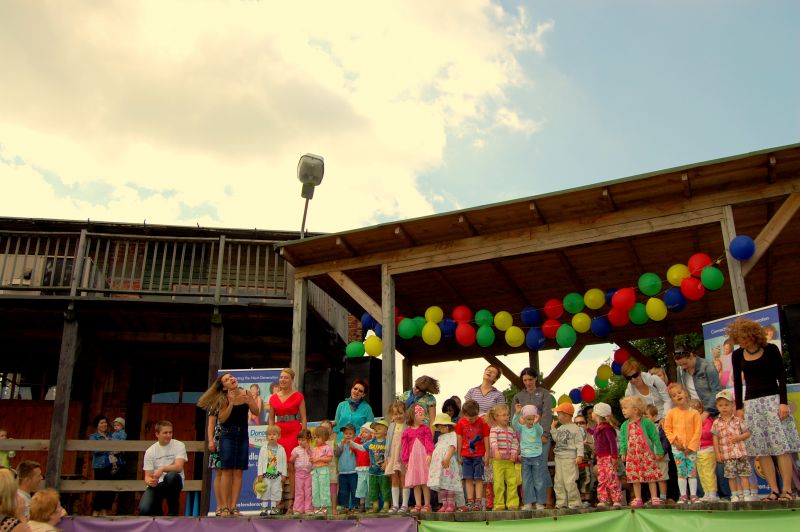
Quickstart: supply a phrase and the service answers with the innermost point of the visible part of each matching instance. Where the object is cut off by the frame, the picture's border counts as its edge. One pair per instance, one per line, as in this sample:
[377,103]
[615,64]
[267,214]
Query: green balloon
[573,302]
[354,350]
[712,278]
[484,336]
[553,401]
[600,383]
[566,336]
[650,284]
[484,317]
[638,314]
[407,328]
[420,321]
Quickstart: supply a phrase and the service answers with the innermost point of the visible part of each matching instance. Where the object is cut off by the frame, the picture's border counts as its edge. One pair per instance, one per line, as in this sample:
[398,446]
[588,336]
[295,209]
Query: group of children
[491,454]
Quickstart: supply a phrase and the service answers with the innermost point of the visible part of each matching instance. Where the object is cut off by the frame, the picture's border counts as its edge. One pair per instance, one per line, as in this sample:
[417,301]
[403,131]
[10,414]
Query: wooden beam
[637,355]
[445,283]
[536,213]
[512,285]
[507,373]
[771,231]
[216,347]
[533,360]
[771,169]
[466,225]
[299,322]
[564,364]
[672,367]
[687,185]
[80,486]
[399,232]
[738,286]
[607,200]
[577,282]
[359,295]
[387,365]
[408,379]
[344,246]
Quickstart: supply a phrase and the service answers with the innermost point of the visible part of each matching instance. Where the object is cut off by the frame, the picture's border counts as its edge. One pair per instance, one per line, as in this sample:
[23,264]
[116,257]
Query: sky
[196,113]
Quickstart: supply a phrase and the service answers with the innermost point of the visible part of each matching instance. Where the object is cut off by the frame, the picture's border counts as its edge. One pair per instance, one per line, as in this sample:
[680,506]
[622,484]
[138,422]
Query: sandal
[234,512]
[772,497]
[786,497]
[222,512]
[426,508]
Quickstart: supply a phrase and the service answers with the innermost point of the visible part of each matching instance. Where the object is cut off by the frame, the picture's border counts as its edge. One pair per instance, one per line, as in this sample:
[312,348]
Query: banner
[192,524]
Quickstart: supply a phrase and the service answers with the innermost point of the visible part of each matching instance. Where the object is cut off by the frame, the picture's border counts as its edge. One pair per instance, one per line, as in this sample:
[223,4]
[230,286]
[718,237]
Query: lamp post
[310,171]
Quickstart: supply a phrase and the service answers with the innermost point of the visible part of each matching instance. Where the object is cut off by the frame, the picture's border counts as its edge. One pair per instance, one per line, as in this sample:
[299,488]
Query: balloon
[553,401]
[601,383]
[674,300]
[398,318]
[638,314]
[530,316]
[515,337]
[367,322]
[656,309]
[431,333]
[610,295]
[465,334]
[677,273]
[649,284]
[621,355]
[378,330]
[742,247]
[354,350]
[534,339]
[594,298]
[563,399]
[618,317]
[484,317]
[407,329]
[553,308]
[503,320]
[485,335]
[434,314]
[462,313]
[565,336]
[575,395]
[420,321]
[697,262]
[624,299]
[605,372]
[573,302]
[448,327]
[616,367]
[712,278]
[600,326]
[373,345]
[581,322]
[550,328]
[692,289]
[588,394]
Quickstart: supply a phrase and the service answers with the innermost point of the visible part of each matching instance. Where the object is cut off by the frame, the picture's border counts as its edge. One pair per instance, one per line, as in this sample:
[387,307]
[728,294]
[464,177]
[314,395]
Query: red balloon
[697,262]
[462,313]
[624,299]
[398,318]
[618,317]
[588,394]
[550,328]
[692,288]
[621,355]
[554,308]
[465,334]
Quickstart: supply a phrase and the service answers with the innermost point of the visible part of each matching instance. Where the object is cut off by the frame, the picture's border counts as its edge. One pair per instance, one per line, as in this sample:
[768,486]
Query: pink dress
[640,462]
[417,446]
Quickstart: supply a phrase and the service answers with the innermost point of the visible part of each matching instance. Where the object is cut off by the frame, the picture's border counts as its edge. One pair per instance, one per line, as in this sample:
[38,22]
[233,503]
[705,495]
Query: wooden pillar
[408,378]
[214,364]
[299,315]
[70,345]
[672,368]
[533,361]
[387,308]
[738,287]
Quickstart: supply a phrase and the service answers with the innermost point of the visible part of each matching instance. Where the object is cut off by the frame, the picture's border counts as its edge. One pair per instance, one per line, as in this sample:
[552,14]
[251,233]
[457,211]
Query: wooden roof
[507,255]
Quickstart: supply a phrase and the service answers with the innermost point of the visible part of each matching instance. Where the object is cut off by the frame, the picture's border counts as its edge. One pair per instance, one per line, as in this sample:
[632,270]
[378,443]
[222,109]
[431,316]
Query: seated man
[163,472]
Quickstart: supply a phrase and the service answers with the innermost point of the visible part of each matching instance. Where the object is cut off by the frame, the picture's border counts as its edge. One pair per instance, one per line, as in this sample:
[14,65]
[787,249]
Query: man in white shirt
[163,472]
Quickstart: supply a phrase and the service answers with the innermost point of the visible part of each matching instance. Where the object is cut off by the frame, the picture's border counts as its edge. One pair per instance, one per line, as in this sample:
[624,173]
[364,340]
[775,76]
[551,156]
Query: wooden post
[533,361]
[387,368]
[672,368]
[70,345]
[738,287]
[408,380]
[214,364]
[299,315]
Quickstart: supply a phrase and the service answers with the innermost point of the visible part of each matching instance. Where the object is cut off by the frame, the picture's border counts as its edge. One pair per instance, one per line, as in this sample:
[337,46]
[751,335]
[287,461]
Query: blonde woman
[10,520]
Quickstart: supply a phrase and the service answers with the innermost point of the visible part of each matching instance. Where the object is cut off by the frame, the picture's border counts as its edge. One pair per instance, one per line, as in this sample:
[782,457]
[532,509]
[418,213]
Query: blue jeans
[153,498]
[546,478]
[347,490]
[534,488]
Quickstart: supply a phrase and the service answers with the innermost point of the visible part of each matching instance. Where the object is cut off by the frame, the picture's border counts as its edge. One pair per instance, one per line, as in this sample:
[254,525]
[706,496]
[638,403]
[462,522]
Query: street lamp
[310,170]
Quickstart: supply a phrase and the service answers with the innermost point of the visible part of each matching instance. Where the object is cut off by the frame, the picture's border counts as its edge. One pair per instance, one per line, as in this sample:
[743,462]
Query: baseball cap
[120,420]
[725,394]
[567,408]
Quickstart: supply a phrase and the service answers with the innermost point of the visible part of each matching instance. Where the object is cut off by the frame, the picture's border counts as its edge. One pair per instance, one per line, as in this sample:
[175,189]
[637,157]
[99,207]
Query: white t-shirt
[690,387]
[158,455]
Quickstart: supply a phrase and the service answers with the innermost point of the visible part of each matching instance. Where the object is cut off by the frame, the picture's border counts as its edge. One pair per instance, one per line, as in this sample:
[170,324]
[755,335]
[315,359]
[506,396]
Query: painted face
[229,382]
[164,435]
[529,382]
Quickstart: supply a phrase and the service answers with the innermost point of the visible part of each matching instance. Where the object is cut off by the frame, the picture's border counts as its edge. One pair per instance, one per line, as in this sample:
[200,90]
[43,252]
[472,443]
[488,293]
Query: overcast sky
[197,112]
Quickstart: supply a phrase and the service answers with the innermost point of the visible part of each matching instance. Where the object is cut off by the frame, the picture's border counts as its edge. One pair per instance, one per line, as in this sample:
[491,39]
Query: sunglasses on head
[632,376]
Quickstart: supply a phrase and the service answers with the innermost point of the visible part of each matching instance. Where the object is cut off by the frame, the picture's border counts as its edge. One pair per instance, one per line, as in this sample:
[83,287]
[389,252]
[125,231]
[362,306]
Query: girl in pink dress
[417,448]
[639,449]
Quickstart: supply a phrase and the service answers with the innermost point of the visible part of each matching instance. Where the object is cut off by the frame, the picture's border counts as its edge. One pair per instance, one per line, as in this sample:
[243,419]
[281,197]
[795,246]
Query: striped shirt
[504,443]
[485,402]
[301,458]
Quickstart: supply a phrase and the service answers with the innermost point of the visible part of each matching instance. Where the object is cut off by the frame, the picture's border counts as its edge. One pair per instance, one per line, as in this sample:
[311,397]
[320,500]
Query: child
[729,433]
[301,459]
[379,483]
[663,462]
[362,465]
[640,449]
[272,469]
[348,478]
[609,490]
[530,442]
[444,473]
[417,447]
[393,465]
[586,479]
[706,458]
[333,467]
[472,435]
[682,426]
[117,459]
[321,457]
[5,455]
[568,453]
[505,452]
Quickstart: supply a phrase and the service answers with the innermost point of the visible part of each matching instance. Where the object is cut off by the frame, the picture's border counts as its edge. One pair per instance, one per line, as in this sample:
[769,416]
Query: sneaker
[710,498]
[637,503]
[617,505]
[403,509]
[586,504]
[601,504]
[683,499]
[393,510]
[541,506]
[264,512]
[751,498]
[526,507]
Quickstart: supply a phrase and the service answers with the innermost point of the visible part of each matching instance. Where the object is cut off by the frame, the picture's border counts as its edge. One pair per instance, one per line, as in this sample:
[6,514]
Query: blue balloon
[742,247]
[448,327]
[600,326]
[535,339]
[367,322]
[378,330]
[616,367]
[674,300]
[575,395]
[609,294]
[530,316]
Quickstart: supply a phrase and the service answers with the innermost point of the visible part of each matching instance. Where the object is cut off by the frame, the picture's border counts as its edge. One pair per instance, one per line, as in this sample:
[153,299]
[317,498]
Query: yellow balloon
[564,399]
[434,314]
[431,333]
[581,322]
[503,320]
[514,336]
[594,299]
[656,309]
[605,372]
[373,345]
[677,273]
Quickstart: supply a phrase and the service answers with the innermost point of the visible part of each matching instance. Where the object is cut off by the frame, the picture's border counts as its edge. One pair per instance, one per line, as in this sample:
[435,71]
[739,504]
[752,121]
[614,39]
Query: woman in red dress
[287,409]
